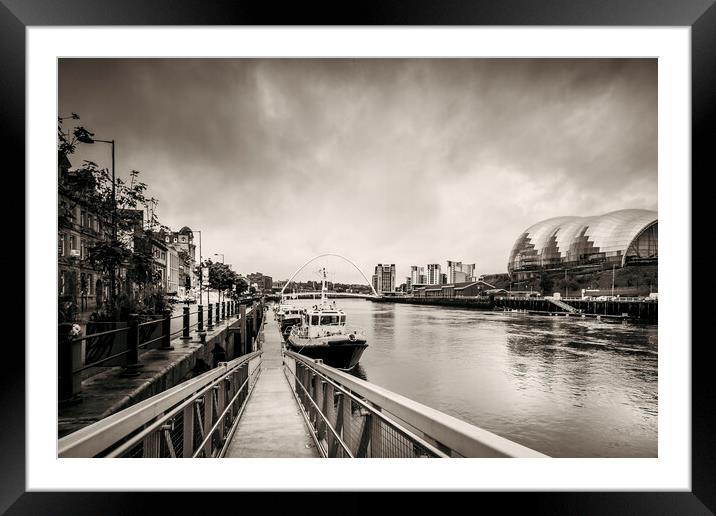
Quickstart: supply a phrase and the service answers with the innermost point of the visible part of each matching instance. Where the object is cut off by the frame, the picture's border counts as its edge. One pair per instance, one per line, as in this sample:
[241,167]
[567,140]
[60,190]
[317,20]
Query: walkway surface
[272,425]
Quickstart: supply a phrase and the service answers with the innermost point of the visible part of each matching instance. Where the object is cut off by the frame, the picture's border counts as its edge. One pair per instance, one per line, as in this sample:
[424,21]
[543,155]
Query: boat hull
[344,354]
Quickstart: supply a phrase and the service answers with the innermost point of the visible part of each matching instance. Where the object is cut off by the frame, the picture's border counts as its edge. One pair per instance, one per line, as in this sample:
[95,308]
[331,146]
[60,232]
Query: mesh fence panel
[353,419]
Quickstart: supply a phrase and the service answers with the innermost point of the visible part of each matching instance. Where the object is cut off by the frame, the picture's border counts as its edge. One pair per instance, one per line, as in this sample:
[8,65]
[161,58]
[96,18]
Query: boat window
[329,319]
[342,319]
[314,320]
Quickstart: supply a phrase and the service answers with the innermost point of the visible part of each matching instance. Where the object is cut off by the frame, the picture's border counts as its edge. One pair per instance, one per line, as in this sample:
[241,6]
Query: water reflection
[359,372]
[568,387]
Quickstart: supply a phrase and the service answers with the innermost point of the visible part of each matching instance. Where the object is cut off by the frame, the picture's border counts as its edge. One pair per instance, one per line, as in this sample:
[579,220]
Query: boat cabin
[319,321]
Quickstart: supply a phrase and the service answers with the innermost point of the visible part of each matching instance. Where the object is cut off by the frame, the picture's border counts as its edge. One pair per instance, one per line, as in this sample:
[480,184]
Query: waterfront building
[260,281]
[182,242]
[459,277]
[417,275]
[384,278]
[434,274]
[618,238]
[459,272]
[469,270]
[173,264]
[451,290]
[79,228]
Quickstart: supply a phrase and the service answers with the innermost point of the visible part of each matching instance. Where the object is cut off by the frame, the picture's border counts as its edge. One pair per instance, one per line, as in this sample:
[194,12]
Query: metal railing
[350,418]
[121,346]
[195,419]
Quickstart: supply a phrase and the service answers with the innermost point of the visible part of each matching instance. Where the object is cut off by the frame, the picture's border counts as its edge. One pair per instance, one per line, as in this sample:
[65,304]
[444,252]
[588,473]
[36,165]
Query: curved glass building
[619,237]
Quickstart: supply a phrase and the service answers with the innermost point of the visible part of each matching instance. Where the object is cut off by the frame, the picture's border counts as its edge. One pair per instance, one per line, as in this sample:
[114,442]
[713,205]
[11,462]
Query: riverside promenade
[109,391]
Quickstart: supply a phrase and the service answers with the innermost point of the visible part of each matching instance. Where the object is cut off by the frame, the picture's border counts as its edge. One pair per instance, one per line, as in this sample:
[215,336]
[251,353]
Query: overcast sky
[405,161]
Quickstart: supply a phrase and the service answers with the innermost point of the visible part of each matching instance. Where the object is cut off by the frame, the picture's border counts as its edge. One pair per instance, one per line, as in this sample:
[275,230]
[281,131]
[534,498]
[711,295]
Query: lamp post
[85,136]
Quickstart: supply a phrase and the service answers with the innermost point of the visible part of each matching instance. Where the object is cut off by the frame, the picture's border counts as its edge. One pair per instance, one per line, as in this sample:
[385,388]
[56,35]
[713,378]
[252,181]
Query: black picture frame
[700,15]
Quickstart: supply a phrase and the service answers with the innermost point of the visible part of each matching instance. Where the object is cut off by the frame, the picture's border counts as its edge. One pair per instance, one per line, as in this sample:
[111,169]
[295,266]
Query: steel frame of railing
[381,423]
[71,366]
[174,423]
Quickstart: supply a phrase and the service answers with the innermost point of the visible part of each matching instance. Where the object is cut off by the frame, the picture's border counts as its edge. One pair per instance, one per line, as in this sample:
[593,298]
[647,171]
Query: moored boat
[288,316]
[323,334]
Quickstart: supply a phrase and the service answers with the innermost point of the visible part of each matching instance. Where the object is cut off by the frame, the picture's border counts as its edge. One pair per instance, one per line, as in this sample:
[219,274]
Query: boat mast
[323,287]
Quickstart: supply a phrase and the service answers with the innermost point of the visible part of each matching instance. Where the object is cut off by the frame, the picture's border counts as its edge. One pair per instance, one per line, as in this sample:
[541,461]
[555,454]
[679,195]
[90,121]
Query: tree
[90,186]
[221,276]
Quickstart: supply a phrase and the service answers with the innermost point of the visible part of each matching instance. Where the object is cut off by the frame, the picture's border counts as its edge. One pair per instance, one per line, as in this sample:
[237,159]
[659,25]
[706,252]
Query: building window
[61,244]
[83,218]
[73,243]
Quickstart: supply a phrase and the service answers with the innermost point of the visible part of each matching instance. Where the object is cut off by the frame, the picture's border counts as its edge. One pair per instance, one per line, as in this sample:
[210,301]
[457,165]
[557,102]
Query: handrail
[98,437]
[459,436]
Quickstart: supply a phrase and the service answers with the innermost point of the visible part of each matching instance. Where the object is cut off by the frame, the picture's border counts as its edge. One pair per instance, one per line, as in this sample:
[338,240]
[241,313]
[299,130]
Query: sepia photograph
[357,258]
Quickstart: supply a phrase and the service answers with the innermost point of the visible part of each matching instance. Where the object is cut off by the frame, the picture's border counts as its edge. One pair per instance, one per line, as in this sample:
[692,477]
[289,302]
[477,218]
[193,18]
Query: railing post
[319,387]
[217,313]
[254,317]
[69,355]
[223,310]
[376,436]
[200,319]
[185,324]
[329,411]
[133,366]
[188,437]
[166,330]
[209,325]
[245,344]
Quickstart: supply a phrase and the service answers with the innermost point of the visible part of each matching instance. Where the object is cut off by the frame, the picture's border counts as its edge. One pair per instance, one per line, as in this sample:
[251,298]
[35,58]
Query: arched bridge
[375,294]
[317,294]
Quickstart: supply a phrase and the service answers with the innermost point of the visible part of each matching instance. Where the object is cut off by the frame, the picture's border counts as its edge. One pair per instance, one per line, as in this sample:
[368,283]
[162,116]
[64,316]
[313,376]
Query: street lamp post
[85,136]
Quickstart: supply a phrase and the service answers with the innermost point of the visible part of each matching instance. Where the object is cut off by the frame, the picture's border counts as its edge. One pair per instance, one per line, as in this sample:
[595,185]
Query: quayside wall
[643,310]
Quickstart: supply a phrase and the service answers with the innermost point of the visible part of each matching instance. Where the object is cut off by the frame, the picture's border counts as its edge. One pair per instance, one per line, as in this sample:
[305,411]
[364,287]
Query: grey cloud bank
[405,161]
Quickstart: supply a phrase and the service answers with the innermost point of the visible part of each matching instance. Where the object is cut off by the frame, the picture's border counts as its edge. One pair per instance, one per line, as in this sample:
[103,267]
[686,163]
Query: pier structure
[641,309]
[271,402]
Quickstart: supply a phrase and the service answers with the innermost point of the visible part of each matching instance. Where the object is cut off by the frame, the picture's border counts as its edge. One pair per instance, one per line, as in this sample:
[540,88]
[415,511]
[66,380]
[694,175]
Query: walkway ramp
[563,305]
[272,425]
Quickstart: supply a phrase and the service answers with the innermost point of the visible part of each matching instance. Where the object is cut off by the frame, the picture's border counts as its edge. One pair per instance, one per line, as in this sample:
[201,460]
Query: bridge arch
[330,254]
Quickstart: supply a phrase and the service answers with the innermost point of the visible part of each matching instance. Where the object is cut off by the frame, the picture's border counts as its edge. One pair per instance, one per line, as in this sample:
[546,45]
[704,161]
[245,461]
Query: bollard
[200,319]
[166,330]
[223,310]
[133,366]
[217,313]
[185,324]
[228,309]
[254,318]
[209,325]
[245,344]
[69,359]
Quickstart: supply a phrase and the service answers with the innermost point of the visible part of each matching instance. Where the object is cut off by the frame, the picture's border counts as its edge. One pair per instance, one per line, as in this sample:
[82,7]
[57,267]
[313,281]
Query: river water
[565,386]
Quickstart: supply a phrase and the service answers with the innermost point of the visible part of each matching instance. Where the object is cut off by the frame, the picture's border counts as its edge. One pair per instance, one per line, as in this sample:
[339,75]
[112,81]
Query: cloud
[407,161]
